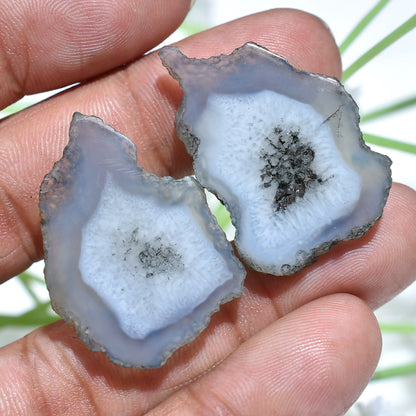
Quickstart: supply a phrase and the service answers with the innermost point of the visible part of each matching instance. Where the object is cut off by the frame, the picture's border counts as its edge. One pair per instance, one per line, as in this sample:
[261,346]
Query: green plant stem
[34,278]
[222,215]
[390,143]
[406,27]
[384,111]
[366,20]
[15,108]
[397,371]
[27,280]
[190,29]
[29,290]
[38,316]
[399,328]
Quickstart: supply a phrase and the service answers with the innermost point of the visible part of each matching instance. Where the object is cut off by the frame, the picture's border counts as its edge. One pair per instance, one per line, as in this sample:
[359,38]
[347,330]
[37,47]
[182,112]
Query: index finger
[50,44]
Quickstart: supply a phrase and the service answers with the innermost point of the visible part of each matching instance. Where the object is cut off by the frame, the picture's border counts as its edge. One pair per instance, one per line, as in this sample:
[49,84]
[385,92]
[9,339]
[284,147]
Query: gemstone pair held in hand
[138,263]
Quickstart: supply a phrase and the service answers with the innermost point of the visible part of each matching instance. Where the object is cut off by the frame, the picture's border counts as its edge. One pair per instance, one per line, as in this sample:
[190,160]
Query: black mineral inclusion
[287,167]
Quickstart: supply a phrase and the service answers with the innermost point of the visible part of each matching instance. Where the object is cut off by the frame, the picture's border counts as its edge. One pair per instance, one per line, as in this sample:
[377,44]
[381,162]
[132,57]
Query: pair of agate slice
[138,264]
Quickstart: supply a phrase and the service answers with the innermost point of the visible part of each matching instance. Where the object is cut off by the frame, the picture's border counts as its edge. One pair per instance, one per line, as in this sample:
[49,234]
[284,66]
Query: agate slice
[136,263]
[283,150]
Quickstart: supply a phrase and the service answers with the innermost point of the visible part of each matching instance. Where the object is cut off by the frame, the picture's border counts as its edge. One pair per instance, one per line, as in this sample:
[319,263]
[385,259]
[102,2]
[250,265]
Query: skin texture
[307,344]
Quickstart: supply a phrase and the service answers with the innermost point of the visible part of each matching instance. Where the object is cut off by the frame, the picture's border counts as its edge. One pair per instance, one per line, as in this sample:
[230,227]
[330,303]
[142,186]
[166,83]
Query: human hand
[300,345]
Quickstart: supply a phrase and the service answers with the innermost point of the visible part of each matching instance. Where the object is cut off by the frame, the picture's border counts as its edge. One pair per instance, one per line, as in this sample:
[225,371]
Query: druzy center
[287,167]
[153,257]
[159,258]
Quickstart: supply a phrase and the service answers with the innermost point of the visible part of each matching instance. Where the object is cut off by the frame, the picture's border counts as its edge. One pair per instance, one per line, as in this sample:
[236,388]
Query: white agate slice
[282,149]
[135,262]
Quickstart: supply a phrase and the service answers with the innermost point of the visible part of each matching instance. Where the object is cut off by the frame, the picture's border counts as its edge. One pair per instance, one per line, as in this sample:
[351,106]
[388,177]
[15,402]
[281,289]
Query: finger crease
[20,224]
[196,378]
[271,295]
[15,85]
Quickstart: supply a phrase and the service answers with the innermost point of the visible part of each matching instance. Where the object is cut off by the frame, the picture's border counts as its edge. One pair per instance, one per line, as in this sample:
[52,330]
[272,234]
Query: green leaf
[190,29]
[397,371]
[367,19]
[380,47]
[222,215]
[27,280]
[390,143]
[15,108]
[38,316]
[400,370]
[387,110]
[399,328]
[30,276]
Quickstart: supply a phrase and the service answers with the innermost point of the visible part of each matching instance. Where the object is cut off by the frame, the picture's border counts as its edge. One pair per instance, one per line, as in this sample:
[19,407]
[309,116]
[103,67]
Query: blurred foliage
[42,314]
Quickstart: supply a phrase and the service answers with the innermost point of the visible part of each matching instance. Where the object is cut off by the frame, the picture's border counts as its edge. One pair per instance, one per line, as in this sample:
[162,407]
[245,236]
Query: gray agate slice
[283,150]
[136,263]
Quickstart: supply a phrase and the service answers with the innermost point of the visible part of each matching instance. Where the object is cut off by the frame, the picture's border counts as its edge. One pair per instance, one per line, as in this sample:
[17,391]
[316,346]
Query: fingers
[375,267]
[315,361]
[304,40]
[141,101]
[45,45]
[252,318]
